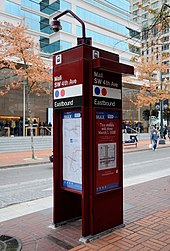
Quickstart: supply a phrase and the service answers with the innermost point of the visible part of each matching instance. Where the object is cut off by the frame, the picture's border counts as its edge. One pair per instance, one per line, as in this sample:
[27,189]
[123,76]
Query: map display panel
[72,150]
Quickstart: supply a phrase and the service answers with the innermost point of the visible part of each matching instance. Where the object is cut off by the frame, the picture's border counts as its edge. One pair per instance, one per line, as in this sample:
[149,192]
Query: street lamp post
[161,141]
[24,84]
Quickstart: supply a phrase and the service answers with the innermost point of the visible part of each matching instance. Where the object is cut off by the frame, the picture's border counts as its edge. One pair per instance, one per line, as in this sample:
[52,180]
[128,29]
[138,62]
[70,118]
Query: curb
[46,162]
[144,149]
[23,164]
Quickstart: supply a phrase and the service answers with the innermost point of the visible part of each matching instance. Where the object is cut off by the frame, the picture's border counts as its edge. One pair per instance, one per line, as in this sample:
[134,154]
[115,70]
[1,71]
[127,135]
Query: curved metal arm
[76,17]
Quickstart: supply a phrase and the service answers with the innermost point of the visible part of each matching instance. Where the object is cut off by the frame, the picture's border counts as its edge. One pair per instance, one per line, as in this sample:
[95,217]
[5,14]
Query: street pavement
[146,215]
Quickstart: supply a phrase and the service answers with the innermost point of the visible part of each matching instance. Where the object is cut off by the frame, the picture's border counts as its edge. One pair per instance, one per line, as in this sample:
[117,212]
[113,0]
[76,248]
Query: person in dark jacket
[165,131]
[155,137]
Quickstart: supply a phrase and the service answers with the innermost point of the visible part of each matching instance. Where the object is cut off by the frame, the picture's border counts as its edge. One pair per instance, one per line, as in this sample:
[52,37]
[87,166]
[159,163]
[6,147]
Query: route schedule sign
[107,134]
[72,150]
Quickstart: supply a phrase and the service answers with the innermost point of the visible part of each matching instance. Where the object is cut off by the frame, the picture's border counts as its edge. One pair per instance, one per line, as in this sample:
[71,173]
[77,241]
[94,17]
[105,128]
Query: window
[35,5]
[100,38]
[165,39]
[12,8]
[42,5]
[44,25]
[145,34]
[134,49]
[165,47]
[44,43]
[94,18]
[134,33]
[65,45]
[53,47]
[47,8]
[165,30]
[32,20]
[154,31]
[66,26]
[64,5]
[122,5]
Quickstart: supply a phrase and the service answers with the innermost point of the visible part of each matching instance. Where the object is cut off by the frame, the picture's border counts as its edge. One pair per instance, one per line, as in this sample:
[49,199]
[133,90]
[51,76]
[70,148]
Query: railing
[128,127]
[42,130]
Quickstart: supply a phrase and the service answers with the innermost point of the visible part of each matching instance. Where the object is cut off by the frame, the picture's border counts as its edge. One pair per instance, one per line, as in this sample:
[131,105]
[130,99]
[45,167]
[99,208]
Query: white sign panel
[106,92]
[107,156]
[67,92]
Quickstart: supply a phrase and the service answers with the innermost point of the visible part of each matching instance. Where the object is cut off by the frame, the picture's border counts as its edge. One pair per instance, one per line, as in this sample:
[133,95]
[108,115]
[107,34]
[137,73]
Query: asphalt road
[147,165]
[21,184]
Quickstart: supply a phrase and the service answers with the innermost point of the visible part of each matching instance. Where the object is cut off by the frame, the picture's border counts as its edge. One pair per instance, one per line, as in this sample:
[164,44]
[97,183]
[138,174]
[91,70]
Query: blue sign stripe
[72,185]
[107,187]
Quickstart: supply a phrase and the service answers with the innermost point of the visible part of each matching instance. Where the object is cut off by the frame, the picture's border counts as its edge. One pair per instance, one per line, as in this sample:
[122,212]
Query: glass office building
[155,43]
[107,22]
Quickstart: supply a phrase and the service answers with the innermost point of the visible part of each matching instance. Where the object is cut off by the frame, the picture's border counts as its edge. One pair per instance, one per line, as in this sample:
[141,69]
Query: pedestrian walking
[153,129]
[165,131]
[168,132]
[12,127]
[155,137]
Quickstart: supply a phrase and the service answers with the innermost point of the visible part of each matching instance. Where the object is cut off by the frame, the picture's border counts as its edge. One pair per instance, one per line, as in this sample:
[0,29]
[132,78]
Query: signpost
[88,165]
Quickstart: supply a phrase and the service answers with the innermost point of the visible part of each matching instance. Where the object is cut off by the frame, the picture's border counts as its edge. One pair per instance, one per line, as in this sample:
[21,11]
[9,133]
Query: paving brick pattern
[146,217]
[147,225]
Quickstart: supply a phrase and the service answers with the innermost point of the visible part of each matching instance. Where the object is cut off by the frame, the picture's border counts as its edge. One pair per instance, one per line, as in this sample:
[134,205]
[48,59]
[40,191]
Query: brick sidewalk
[24,157]
[146,218]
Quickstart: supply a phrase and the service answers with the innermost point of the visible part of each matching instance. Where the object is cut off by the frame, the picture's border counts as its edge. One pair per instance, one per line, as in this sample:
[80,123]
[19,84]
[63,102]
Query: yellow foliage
[21,54]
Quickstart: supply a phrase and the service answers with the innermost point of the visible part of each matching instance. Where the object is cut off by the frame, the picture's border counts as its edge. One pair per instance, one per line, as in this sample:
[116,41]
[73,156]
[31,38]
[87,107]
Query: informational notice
[72,150]
[106,156]
[108,129]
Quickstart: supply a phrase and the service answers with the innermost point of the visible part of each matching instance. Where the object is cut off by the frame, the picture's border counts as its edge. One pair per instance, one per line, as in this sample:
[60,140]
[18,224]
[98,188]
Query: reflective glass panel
[12,8]
[102,21]
[66,26]
[103,39]
[110,5]
[64,5]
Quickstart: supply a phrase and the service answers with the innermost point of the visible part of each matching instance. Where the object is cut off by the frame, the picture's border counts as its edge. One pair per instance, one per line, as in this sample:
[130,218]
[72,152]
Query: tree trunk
[31,121]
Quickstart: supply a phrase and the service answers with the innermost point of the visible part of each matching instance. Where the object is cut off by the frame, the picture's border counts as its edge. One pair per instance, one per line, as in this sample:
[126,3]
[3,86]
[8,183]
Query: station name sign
[67,94]
[106,89]
[67,85]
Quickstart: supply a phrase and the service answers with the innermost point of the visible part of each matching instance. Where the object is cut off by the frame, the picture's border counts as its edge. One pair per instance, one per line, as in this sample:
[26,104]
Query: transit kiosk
[87,138]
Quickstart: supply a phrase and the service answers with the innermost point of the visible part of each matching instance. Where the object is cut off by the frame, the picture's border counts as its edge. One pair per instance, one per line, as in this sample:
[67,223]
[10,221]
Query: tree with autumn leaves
[153,63]
[152,90]
[20,55]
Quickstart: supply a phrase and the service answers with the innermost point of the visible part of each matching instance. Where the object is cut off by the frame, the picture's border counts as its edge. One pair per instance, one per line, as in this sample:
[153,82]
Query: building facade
[107,22]
[152,39]
[155,40]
